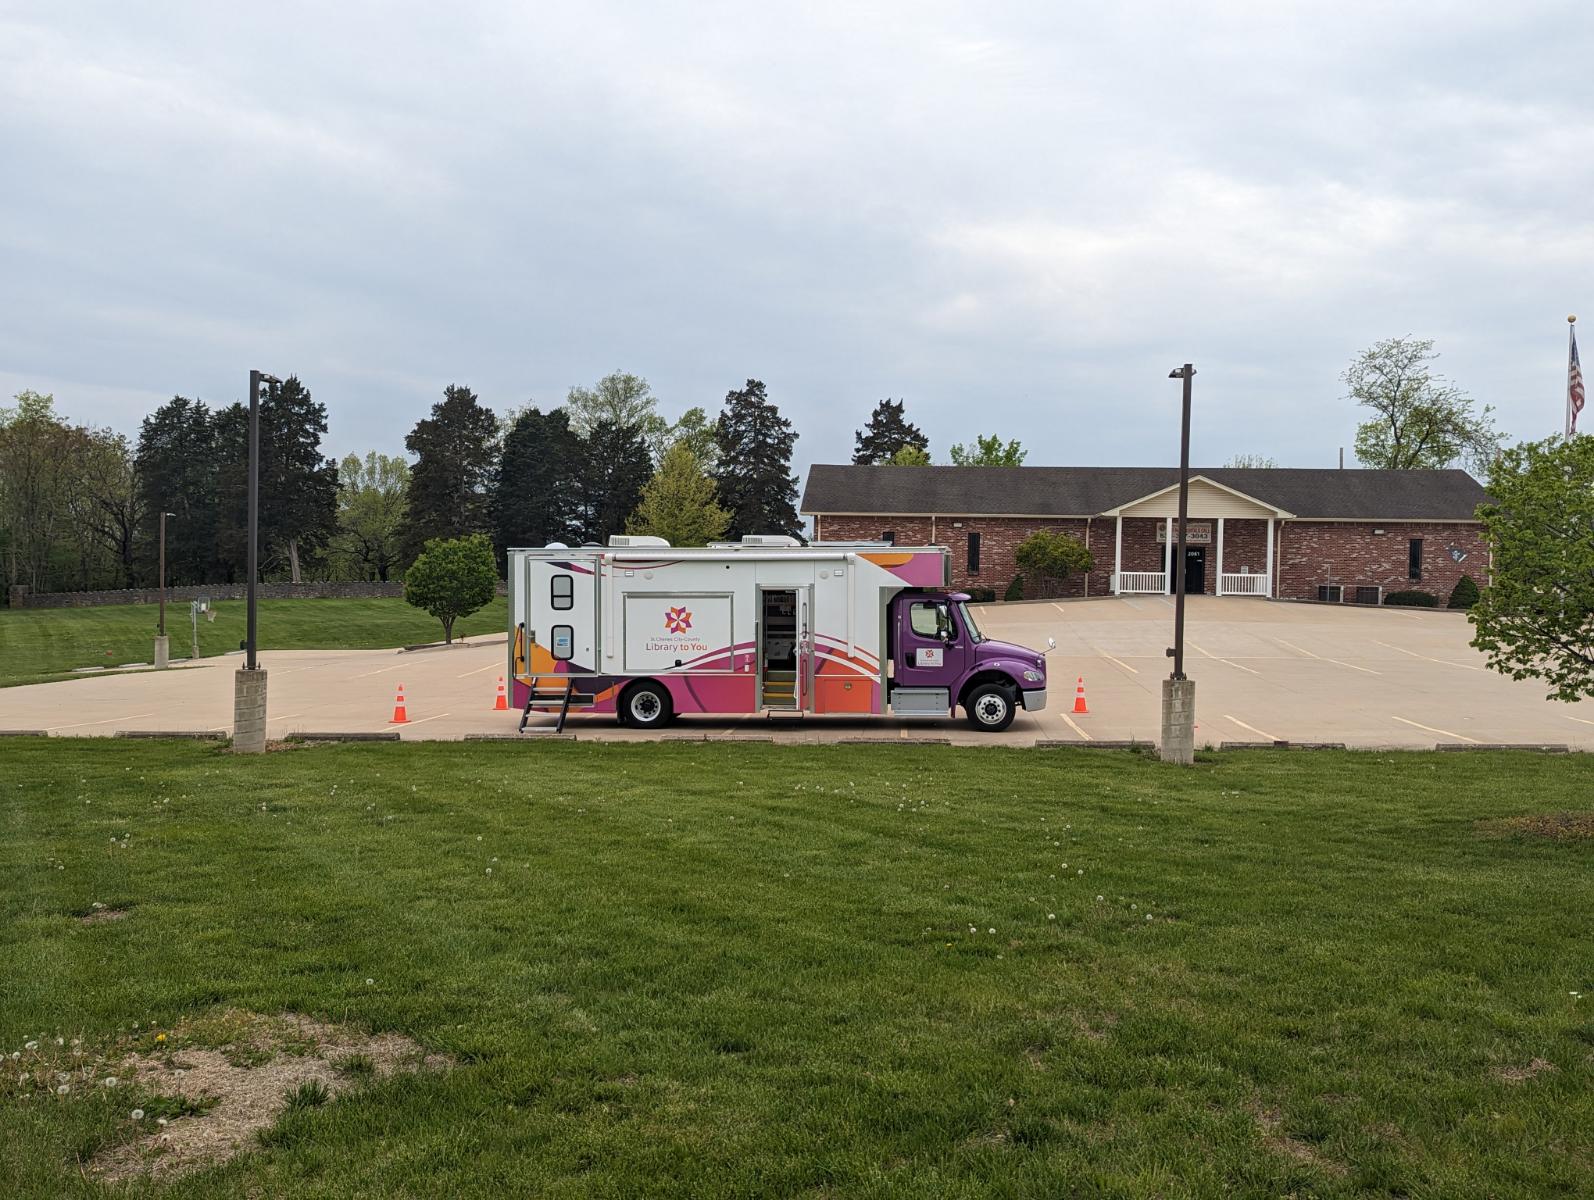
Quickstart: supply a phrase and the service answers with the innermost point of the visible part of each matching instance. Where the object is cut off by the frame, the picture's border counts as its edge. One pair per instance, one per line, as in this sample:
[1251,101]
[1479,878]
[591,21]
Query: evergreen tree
[176,468]
[298,485]
[754,473]
[451,481]
[537,487]
[230,505]
[678,503]
[888,431]
[615,466]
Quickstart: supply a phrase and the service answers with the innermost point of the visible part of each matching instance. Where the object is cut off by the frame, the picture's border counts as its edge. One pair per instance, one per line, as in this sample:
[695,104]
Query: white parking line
[423,720]
[107,721]
[1215,658]
[1579,720]
[383,671]
[1075,727]
[1119,661]
[1260,733]
[1058,607]
[479,670]
[1443,662]
[1460,737]
[1320,658]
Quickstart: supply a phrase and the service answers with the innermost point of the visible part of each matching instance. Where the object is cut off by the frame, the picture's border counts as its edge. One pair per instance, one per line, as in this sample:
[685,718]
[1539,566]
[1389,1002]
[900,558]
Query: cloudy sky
[1017,217]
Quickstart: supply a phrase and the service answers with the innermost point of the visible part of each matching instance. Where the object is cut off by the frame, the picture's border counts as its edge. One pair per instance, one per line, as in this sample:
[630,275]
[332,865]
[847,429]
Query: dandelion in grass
[369,982]
[31,1046]
[63,1089]
[1051,916]
[138,1114]
[109,1081]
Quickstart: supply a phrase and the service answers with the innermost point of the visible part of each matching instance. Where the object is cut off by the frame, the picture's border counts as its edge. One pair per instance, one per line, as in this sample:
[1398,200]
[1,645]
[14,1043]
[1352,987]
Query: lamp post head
[1180,372]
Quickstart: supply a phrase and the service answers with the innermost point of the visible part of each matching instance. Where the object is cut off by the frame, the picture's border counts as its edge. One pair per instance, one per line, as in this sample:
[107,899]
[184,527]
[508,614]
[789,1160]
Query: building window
[889,537]
[562,592]
[974,554]
[1328,593]
[1414,559]
[1369,595]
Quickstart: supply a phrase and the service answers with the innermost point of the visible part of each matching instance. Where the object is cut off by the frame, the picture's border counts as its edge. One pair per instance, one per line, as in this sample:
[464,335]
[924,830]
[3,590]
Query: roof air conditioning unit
[769,539]
[637,541]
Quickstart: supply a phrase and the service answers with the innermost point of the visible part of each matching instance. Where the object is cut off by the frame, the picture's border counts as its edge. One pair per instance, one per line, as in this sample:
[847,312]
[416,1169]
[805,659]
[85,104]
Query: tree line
[80,507]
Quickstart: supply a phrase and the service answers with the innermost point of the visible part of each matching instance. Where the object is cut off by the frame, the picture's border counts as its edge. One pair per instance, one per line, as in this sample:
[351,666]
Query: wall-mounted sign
[1196,533]
[1457,553]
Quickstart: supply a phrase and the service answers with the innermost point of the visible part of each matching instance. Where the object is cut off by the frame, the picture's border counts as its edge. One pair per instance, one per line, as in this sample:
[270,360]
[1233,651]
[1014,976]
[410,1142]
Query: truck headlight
[1033,676]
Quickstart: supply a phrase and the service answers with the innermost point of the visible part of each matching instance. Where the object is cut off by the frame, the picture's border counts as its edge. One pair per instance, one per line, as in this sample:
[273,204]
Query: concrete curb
[309,736]
[531,735]
[1056,744]
[1537,747]
[24,733]
[1281,745]
[200,735]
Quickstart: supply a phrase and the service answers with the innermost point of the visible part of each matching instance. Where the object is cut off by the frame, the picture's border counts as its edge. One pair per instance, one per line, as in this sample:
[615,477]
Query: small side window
[562,592]
[563,642]
[974,554]
[929,620]
[889,536]
[1414,559]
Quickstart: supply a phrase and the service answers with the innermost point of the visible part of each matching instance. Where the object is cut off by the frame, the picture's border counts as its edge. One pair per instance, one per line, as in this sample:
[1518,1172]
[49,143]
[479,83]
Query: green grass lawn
[689,970]
[47,643]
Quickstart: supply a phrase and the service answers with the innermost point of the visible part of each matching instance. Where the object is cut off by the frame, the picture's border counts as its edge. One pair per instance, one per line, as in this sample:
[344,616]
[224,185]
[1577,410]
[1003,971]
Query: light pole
[162,645]
[249,682]
[1178,692]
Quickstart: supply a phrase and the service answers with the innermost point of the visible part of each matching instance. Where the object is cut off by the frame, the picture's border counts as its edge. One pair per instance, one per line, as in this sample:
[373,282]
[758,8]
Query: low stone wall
[340,590]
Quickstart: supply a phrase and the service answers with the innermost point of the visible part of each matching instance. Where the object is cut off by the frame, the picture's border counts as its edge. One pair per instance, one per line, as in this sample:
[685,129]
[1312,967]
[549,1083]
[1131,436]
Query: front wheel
[990,707]
[645,706]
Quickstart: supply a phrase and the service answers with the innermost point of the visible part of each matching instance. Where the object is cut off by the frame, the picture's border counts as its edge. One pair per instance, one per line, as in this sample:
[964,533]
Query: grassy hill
[48,643]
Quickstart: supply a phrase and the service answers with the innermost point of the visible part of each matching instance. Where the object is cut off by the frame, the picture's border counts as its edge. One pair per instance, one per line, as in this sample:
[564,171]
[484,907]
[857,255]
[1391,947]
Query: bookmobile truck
[765,625]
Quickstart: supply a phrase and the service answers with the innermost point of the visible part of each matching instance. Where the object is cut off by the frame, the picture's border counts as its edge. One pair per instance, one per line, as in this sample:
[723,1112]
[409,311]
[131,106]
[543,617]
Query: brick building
[1337,535]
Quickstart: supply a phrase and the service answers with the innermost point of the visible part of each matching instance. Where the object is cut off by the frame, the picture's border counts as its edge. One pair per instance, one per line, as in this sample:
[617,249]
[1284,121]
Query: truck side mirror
[1051,644]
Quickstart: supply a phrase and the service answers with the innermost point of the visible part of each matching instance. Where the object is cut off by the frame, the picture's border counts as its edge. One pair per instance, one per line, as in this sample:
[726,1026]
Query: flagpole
[1571,349]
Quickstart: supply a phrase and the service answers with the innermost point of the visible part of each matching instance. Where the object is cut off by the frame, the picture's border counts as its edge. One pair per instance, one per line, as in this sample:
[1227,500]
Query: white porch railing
[1141,581]
[1242,585]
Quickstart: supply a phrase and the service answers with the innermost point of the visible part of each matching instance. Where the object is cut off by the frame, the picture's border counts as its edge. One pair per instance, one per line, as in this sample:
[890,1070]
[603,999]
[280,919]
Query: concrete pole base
[163,651]
[1178,721]
[249,711]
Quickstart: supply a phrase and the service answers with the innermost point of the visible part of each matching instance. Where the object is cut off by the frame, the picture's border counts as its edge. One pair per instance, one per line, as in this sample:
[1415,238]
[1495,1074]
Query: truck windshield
[967,618]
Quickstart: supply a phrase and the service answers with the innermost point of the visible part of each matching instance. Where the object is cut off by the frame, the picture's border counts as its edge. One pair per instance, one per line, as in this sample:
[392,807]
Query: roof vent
[634,541]
[769,539]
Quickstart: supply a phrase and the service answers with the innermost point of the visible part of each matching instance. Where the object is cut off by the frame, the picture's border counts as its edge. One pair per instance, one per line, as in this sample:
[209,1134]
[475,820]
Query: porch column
[1270,557]
[1167,562]
[1117,551]
[1218,591]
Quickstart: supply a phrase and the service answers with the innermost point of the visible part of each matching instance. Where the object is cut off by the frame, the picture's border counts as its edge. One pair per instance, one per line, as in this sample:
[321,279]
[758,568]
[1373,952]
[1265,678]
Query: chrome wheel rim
[990,709]
[645,707]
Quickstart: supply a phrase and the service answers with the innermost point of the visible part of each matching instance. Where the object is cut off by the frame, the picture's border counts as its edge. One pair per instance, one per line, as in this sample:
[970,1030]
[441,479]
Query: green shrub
[1465,594]
[1015,590]
[1412,599]
[981,595]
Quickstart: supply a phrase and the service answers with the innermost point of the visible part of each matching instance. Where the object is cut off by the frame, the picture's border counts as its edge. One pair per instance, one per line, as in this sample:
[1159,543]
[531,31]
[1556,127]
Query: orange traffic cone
[400,715]
[1079,697]
[502,703]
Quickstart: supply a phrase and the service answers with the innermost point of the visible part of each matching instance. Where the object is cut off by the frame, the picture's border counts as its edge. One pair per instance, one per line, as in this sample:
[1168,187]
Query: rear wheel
[990,707]
[645,706]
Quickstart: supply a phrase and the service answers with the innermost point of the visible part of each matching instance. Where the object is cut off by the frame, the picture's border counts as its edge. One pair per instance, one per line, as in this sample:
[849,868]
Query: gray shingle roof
[1356,495]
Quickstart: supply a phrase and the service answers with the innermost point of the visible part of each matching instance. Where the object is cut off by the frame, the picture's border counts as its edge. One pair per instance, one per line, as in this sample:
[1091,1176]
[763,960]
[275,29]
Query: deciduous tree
[371,498]
[1251,461]
[754,473]
[452,578]
[1421,419]
[989,451]
[887,432]
[678,503]
[1535,620]
[910,456]
[621,399]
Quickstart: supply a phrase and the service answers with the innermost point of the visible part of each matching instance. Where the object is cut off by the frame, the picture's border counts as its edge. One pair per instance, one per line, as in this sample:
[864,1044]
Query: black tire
[646,705]
[991,707]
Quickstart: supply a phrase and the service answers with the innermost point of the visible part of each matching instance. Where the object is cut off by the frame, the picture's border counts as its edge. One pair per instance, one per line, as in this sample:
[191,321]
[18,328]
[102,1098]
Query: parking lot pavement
[1264,671]
[1268,671]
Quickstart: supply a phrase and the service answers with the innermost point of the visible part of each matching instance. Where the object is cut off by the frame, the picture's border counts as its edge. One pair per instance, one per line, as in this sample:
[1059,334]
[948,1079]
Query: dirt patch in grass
[234,1073]
[1560,826]
[1270,1123]
[100,912]
[1522,1074]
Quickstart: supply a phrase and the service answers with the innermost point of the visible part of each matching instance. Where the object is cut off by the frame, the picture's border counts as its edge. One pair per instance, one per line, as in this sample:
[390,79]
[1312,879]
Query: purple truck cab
[940,661]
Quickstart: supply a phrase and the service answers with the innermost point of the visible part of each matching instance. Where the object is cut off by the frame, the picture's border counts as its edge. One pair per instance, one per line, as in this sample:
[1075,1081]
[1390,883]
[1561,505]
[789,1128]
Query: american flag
[1574,388]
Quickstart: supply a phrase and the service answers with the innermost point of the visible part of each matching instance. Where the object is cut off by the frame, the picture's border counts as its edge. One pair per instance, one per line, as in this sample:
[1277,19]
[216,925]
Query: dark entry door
[1195,568]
